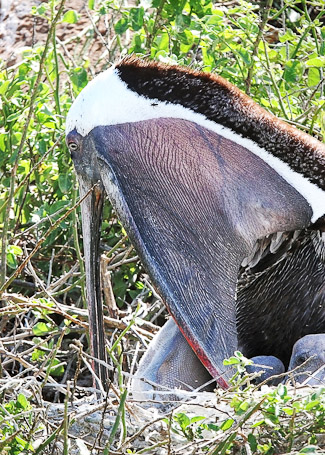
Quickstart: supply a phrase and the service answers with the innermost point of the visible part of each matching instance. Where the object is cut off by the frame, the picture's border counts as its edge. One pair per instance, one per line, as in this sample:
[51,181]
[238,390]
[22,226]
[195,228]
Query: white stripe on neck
[108,101]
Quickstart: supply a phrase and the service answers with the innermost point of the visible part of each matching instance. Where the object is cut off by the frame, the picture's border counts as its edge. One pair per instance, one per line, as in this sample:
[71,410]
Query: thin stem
[264,19]
[276,88]
[39,243]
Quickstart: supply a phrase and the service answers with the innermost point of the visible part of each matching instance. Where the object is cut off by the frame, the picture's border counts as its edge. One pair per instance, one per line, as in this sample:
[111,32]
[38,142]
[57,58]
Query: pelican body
[204,181]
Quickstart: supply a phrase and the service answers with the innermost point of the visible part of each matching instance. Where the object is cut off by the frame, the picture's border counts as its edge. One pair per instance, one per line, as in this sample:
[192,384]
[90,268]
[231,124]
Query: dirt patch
[19,28]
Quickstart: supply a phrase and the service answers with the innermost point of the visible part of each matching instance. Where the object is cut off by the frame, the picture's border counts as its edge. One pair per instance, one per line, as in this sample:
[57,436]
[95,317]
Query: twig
[106,285]
[139,432]
[264,18]
[39,243]
[68,312]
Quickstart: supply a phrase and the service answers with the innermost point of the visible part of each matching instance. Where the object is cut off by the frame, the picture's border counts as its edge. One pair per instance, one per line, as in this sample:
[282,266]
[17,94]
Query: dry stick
[40,346]
[55,286]
[153,447]
[77,372]
[19,336]
[101,429]
[68,312]
[108,292]
[49,275]
[116,246]
[123,262]
[12,311]
[31,367]
[42,239]
[139,432]
[46,218]
[122,254]
[37,279]
[264,19]
[100,36]
[61,43]
[4,242]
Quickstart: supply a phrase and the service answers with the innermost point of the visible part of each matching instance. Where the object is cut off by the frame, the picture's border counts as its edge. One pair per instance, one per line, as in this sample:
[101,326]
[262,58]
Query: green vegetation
[275,52]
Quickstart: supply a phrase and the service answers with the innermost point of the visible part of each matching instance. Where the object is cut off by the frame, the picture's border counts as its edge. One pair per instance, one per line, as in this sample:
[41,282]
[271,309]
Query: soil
[19,29]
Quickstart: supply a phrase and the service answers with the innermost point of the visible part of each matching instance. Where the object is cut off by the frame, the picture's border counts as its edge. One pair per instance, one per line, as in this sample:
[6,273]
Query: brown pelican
[209,187]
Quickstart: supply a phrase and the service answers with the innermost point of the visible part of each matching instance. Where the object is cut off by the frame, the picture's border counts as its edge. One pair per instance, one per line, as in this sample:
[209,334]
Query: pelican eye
[73,147]
[301,358]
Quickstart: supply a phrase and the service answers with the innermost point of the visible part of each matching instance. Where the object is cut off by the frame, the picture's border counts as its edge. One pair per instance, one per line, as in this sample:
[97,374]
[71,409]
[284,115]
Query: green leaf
[318,62]
[22,400]
[183,420]
[41,9]
[24,444]
[231,361]
[79,79]
[313,78]
[227,424]
[162,42]
[197,419]
[121,26]
[23,69]
[288,411]
[37,354]
[14,116]
[65,182]
[244,406]
[216,19]
[15,249]
[11,261]
[312,404]
[186,37]
[252,442]
[136,18]
[212,426]
[91,4]
[293,71]
[4,86]
[310,449]
[42,328]
[245,56]
[56,371]
[258,423]
[282,390]
[71,17]
[297,405]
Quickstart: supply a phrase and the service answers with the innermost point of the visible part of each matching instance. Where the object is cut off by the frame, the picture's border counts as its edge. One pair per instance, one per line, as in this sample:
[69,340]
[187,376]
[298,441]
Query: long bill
[91,213]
